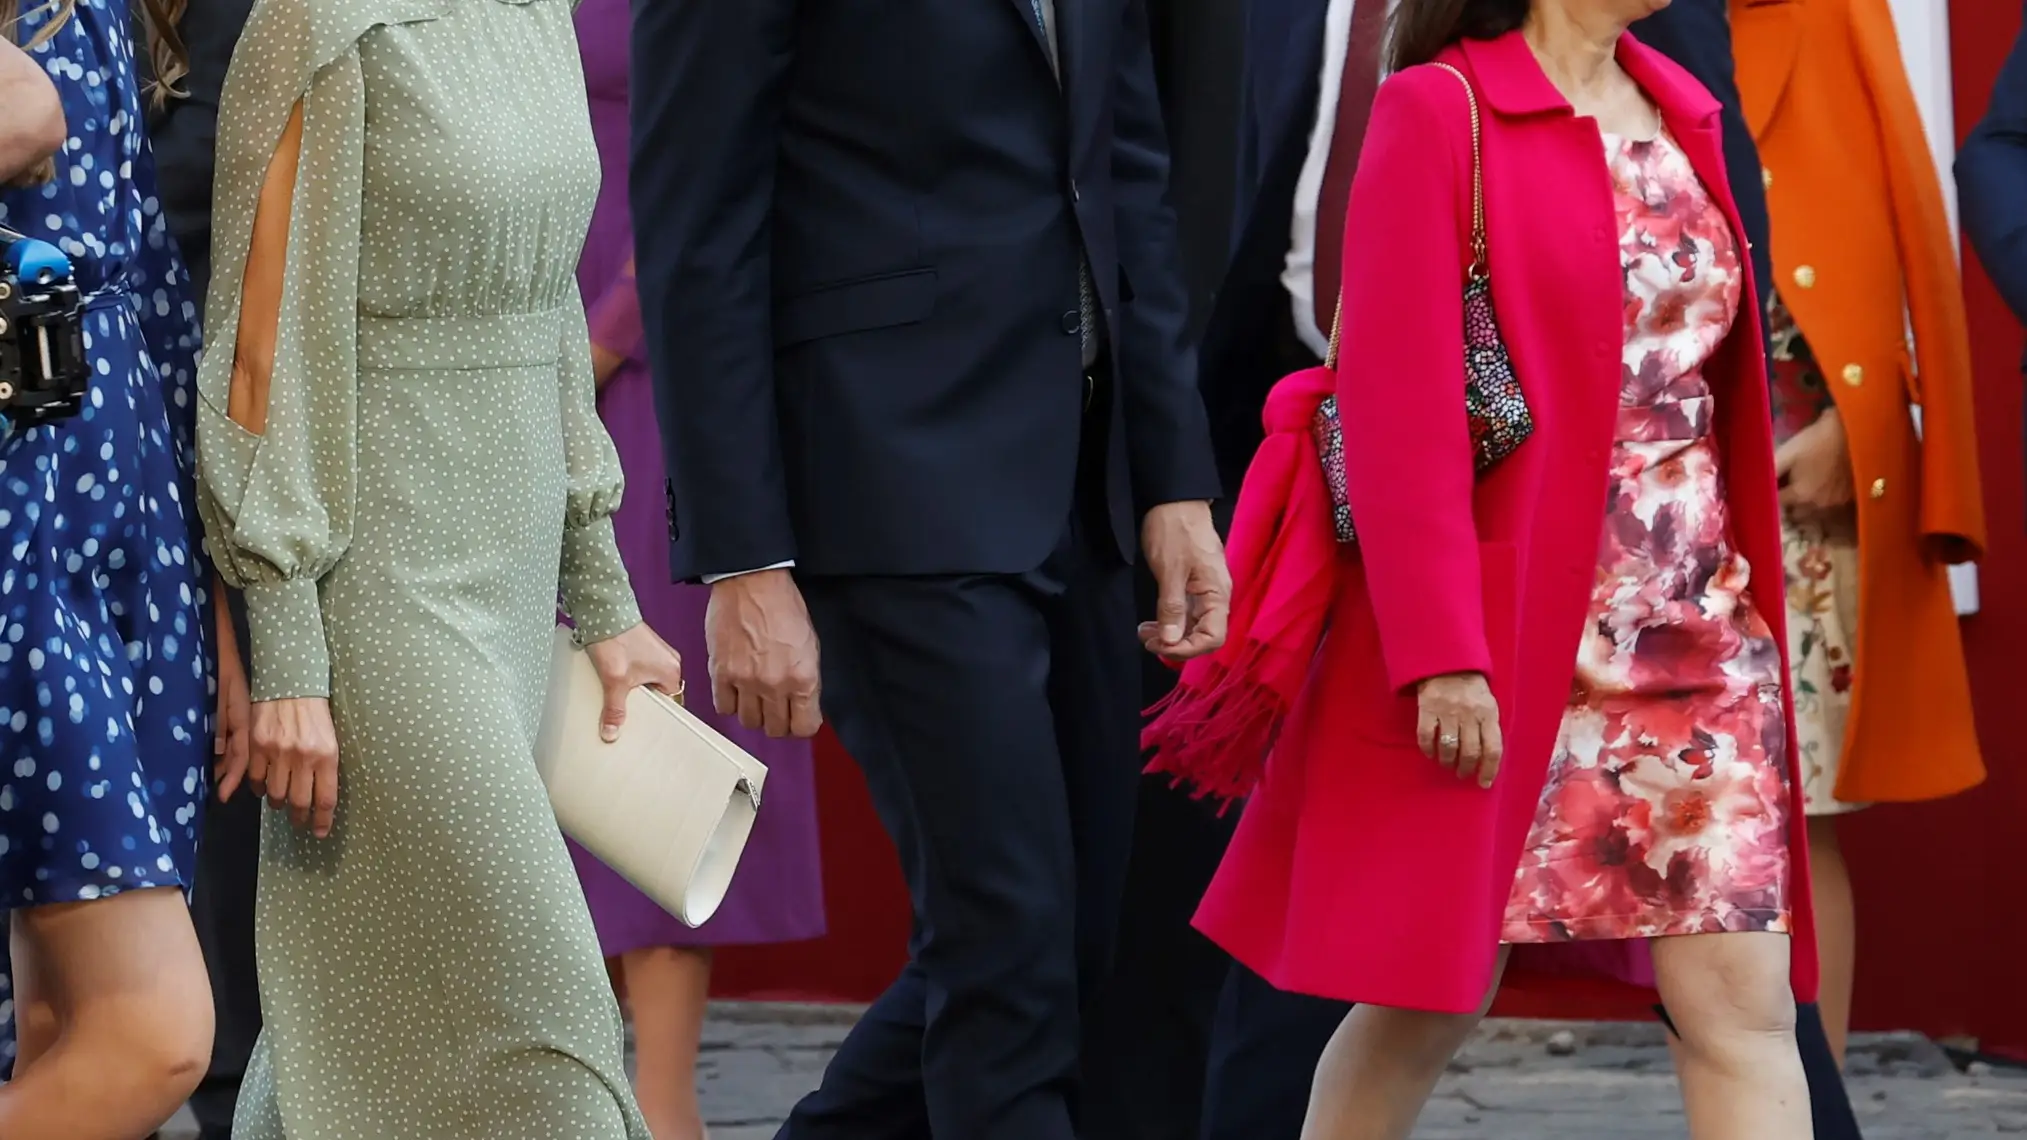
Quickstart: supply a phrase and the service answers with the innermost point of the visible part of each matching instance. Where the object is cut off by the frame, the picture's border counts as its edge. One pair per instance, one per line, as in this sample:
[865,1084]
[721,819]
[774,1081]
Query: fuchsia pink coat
[1361,870]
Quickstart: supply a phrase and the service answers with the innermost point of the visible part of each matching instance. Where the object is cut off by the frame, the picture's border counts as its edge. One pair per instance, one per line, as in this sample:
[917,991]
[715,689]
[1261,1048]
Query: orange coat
[1861,246]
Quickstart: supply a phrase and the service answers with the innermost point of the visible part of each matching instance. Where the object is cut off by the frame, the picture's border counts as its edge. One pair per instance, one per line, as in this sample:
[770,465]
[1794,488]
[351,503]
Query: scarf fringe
[1213,734]
[1214,731]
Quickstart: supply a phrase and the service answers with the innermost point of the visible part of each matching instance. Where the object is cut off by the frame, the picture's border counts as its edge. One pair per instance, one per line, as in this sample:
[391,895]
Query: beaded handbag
[1493,404]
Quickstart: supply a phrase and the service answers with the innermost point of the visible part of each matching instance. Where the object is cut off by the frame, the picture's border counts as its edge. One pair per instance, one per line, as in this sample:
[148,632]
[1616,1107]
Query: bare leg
[133,1016]
[1729,997]
[1836,929]
[666,988]
[1380,1067]
[34,1016]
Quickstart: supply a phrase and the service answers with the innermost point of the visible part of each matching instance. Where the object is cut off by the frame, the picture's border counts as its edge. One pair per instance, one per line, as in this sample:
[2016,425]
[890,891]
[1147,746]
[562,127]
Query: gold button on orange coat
[1863,247]
[1766,178]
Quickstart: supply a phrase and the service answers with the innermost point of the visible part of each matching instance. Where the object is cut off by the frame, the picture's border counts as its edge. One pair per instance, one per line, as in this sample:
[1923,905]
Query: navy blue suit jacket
[1242,356]
[858,226]
[1992,182]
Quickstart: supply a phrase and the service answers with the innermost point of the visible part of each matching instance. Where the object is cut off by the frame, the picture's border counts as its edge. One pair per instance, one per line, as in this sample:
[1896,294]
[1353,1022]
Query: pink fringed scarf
[1215,730]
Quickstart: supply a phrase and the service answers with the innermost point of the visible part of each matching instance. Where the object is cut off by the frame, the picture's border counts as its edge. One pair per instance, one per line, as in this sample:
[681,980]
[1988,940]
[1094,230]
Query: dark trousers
[1150,1029]
[995,718]
[1266,1044]
[221,906]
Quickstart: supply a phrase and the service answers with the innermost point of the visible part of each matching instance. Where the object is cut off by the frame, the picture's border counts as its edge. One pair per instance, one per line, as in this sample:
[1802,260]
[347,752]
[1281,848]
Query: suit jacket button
[1073,321]
[1805,276]
[1879,488]
[1766,179]
[1854,375]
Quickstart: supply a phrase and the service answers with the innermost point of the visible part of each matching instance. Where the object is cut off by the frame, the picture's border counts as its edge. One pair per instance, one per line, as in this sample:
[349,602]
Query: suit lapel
[1025,10]
[1074,45]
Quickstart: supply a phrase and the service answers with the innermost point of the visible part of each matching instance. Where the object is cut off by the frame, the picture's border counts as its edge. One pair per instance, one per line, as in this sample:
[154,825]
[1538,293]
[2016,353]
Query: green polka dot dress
[432,473]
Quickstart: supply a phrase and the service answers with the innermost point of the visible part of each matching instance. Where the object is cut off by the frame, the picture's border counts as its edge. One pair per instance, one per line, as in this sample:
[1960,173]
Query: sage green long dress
[431,473]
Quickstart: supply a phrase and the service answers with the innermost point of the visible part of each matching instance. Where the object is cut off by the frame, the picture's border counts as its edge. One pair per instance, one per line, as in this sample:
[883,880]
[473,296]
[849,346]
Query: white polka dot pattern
[431,475]
[105,655]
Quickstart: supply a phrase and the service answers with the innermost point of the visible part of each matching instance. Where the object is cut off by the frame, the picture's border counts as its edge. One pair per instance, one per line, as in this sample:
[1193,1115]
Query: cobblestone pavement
[1516,1081]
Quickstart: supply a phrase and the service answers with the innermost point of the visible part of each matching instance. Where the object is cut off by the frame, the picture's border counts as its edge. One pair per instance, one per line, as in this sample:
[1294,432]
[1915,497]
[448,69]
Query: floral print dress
[1820,550]
[1665,809]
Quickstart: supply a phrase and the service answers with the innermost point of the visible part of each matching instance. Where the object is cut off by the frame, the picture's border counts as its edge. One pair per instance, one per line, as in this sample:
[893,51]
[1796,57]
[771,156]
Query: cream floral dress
[1821,553]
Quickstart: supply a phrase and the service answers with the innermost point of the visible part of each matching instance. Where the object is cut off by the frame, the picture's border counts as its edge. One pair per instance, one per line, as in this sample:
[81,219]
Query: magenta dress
[778,894]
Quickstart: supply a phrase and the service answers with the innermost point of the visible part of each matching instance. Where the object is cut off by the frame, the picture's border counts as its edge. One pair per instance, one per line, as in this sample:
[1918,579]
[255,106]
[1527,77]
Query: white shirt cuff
[711,579]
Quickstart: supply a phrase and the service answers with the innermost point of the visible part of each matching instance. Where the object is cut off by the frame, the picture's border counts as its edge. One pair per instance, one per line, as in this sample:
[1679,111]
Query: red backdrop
[1942,891]
[1943,930]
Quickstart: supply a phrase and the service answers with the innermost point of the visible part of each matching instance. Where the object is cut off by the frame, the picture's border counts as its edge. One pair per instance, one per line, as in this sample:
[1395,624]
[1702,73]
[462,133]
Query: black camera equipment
[43,372]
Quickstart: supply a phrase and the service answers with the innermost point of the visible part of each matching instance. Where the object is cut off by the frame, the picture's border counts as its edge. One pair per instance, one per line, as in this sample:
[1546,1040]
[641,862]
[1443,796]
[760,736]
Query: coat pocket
[857,305]
[1352,651]
[1499,593]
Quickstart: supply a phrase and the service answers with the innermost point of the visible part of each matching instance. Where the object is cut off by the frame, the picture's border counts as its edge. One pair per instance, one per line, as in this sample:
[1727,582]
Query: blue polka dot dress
[105,676]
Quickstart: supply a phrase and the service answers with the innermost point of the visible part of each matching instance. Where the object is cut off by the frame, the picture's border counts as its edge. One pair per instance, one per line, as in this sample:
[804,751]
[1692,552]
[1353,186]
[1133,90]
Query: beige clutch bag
[668,805]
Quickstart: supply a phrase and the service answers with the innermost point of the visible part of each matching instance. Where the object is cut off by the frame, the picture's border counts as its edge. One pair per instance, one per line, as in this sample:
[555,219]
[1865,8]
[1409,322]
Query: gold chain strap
[1479,263]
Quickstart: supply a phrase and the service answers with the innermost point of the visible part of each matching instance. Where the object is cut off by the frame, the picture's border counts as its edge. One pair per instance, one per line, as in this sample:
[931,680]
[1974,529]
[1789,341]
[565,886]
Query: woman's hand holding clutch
[1459,726]
[635,658]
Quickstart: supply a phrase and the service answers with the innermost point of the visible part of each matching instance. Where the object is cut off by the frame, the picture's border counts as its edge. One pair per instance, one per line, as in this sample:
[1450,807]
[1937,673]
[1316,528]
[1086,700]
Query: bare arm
[614,317]
[31,115]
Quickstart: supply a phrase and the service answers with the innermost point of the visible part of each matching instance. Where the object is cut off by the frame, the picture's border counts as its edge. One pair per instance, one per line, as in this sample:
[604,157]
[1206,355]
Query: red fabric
[1362,871]
[1213,731]
[1355,90]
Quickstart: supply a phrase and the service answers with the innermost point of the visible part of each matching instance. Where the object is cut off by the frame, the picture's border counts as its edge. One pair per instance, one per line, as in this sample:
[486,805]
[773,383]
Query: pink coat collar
[1512,83]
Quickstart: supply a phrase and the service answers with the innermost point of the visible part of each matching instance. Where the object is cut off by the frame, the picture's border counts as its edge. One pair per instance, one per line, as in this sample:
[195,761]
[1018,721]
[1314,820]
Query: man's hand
[1195,589]
[1815,465]
[763,654]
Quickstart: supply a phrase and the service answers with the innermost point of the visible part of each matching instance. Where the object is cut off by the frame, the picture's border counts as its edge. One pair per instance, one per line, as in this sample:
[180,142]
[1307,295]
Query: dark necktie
[1355,91]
